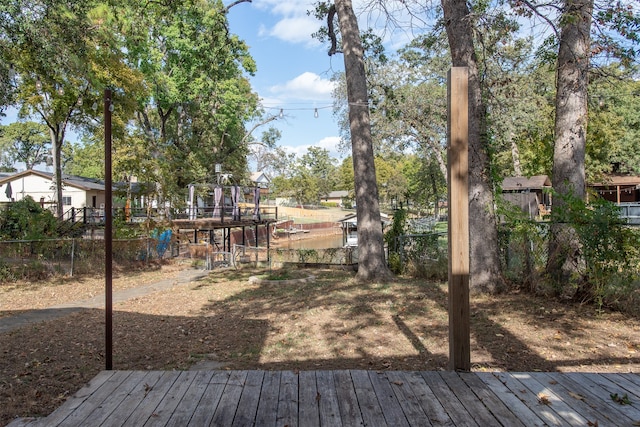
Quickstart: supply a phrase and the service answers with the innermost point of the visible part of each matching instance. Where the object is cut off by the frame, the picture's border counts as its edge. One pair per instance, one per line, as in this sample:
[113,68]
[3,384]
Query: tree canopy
[179,78]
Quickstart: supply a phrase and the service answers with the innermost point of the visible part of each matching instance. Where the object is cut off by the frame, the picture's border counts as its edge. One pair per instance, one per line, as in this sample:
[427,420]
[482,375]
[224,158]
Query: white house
[336,197]
[260,179]
[77,192]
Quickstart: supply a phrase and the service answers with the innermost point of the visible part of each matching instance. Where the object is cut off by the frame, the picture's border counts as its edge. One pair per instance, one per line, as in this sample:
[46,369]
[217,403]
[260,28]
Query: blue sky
[294,71]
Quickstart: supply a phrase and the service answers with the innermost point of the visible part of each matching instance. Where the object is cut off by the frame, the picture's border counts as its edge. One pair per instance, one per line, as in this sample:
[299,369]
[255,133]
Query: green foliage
[311,178]
[609,247]
[26,220]
[398,228]
[26,142]
[522,245]
[307,255]
[395,263]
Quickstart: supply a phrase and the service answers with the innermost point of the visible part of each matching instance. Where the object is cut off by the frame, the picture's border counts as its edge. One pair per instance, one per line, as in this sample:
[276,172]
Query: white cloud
[285,7]
[296,30]
[329,143]
[293,24]
[306,86]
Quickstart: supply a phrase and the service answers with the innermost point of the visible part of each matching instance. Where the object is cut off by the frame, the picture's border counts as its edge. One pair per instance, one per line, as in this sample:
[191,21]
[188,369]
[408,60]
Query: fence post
[73,249]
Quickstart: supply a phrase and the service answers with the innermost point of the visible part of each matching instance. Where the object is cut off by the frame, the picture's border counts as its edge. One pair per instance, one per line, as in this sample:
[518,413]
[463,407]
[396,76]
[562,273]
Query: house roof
[513,183]
[352,219]
[259,177]
[74,181]
[615,180]
[337,194]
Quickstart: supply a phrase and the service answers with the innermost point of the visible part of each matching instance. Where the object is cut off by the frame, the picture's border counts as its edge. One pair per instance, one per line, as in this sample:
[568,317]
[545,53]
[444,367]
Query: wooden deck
[349,398]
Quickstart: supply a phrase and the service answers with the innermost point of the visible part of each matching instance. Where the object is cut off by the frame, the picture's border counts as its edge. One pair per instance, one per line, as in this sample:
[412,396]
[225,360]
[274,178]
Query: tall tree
[25,142]
[199,97]
[484,257]
[371,259]
[570,131]
[63,54]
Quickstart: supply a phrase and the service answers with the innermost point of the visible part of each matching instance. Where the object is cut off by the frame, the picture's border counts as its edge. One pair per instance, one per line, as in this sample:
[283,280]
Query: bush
[610,248]
[27,220]
[523,247]
[608,270]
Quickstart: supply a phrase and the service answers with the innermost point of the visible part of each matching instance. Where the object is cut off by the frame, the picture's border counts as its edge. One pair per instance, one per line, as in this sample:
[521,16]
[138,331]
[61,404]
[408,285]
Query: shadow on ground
[331,323]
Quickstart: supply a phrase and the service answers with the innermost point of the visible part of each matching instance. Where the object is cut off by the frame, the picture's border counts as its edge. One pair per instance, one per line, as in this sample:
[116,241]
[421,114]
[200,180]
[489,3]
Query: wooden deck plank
[469,400]
[151,399]
[604,388]
[74,401]
[226,410]
[95,399]
[308,405]
[288,400]
[350,414]
[447,398]
[367,400]
[605,408]
[428,401]
[248,404]
[576,401]
[407,399]
[634,378]
[511,400]
[101,413]
[490,401]
[611,387]
[268,406]
[629,386]
[349,398]
[543,390]
[210,399]
[133,399]
[391,408]
[530,399]
[185,410]
[171,399]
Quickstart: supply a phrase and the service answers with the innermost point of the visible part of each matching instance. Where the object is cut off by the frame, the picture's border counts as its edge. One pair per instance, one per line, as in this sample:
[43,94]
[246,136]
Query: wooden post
[108,234]
[458,178]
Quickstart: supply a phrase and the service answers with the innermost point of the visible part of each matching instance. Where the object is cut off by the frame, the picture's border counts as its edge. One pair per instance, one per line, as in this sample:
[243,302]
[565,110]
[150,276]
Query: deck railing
[95,216]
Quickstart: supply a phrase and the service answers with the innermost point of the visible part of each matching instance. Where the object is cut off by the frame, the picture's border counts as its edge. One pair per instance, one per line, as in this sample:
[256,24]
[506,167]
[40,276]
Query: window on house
[66,200]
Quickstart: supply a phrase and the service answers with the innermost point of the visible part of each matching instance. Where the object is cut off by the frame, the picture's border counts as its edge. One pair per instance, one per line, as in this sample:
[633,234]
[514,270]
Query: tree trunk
[57,137]
[484,252]
[570,133]
[371,260]
[515,155]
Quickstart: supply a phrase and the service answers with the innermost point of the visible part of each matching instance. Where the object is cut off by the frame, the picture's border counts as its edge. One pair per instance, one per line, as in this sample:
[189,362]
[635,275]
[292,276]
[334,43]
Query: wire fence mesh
[38,259]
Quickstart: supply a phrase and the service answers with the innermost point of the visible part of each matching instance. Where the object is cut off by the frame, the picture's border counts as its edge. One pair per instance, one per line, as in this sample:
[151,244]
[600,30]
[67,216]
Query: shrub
[27,220]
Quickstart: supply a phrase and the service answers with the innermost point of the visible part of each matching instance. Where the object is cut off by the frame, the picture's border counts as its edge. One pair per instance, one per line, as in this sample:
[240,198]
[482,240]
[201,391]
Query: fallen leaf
[592,423]
[576,395]
[553,382]
[396,382]
[622,400]
[543,399]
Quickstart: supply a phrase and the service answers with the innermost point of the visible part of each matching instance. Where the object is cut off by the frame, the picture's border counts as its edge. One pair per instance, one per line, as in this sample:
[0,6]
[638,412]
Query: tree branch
[331,30]
[235,3]
[534,9]
[262,123]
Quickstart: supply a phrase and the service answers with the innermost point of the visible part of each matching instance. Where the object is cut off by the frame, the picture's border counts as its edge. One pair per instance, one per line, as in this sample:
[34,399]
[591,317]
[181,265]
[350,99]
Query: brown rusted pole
[108,242]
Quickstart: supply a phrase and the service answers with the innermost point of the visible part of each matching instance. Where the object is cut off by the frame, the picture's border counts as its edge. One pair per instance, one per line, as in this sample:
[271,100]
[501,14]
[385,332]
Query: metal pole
[108,242]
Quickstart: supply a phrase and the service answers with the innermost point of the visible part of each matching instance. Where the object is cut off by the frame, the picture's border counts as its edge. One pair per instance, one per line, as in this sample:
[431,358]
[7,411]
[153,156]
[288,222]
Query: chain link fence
[39,259]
